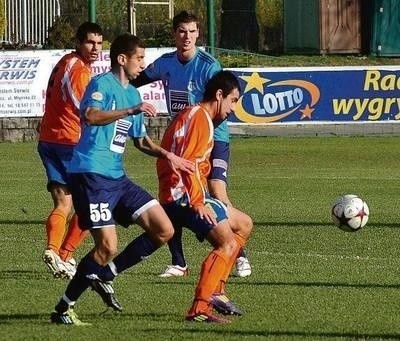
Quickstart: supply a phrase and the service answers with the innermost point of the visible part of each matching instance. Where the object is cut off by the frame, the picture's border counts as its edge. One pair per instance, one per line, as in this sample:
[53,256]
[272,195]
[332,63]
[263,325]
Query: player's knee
[165,233]
[244,226]
[247,224]
[106,253]
[229,246]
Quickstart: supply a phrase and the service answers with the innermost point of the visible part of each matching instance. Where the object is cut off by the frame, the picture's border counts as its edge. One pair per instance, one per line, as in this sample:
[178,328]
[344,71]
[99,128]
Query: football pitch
[310,280]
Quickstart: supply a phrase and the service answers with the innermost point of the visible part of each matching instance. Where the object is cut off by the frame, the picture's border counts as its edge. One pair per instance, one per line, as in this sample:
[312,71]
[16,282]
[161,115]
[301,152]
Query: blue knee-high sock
[139,249]
[79,283]
[176,248]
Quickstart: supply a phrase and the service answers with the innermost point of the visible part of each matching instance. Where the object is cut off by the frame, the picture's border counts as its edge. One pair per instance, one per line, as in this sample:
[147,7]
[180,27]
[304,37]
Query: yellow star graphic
[307,111]
[254,82]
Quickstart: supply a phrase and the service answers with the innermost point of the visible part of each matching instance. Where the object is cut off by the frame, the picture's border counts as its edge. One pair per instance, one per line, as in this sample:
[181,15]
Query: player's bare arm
[95,116]
[147,146]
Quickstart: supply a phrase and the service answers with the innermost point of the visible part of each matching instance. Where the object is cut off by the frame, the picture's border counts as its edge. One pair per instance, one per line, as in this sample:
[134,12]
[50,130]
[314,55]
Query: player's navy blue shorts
[55,158]
[102,202]
[181,215]
[219,160]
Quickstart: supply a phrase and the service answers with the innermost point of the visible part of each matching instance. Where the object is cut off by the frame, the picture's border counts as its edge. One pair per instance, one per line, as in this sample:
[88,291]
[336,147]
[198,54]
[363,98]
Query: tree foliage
[154,26]
[2,18]
[61,35]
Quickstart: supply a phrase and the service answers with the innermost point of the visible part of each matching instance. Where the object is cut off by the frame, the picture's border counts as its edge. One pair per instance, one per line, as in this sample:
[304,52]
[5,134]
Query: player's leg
[138,206]
[241,225]
[178,267]
[94,200]
[217,184]
[105,240]
[55,158]
[213,268]
[73,238]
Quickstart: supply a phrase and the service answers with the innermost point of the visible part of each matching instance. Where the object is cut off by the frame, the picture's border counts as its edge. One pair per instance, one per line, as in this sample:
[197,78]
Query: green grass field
[310,281]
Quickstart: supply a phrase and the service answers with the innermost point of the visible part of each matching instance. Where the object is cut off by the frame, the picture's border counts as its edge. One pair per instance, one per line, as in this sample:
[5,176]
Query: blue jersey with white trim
[184,83]
[100,148]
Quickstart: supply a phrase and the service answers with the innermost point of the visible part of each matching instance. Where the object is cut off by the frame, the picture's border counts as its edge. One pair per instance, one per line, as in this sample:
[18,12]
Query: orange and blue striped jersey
[67,83]
[190,135]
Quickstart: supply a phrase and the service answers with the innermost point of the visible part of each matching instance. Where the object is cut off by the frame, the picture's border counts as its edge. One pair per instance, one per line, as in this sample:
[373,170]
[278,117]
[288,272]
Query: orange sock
[212,269]
[240,243]
[55,229]
[72,240]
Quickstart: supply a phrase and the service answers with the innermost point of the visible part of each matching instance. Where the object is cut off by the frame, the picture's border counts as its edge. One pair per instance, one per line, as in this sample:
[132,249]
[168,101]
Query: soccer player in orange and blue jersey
[186,199]
[184,74]
[59,132]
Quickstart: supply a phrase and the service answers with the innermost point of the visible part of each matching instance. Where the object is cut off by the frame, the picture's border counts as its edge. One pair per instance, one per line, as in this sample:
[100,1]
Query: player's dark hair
[184,17]
[222,80]
[124,44]
[86,28]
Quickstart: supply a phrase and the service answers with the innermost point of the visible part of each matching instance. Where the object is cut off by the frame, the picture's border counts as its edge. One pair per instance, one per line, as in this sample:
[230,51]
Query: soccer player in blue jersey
[184,74]
[103,196]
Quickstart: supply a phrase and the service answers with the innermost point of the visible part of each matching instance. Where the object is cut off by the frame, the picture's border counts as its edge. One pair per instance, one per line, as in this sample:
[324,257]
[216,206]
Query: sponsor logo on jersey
[120,135]
[97,96]
[178,100]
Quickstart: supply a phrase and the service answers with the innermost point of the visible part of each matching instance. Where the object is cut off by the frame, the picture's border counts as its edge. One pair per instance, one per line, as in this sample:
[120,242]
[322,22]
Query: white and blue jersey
[100,147]
[184,83]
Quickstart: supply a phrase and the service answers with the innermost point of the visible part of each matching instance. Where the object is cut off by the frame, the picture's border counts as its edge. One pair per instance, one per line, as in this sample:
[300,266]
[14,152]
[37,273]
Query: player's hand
[145,107]
[205,213]
[178,163]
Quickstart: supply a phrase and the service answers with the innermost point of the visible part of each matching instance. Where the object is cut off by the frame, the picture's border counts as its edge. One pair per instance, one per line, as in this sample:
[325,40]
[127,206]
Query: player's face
[90,48]
[134,64]
[228,104]
[186,36]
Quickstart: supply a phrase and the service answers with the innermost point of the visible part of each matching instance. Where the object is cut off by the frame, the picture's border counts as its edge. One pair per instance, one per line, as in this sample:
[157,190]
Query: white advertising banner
[24,76]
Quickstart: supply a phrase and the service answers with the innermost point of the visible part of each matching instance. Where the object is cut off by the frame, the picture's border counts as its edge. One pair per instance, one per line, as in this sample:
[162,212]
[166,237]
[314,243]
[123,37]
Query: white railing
[27,21]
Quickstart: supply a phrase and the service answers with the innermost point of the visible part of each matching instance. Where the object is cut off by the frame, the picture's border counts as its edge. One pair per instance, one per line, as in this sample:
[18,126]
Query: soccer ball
[350,213]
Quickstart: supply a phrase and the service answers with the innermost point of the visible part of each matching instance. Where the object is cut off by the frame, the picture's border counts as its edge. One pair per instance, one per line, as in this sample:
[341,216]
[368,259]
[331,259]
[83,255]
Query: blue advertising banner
[336,94]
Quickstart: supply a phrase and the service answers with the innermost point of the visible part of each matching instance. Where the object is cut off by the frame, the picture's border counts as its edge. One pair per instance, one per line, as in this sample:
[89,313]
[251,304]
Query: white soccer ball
[350,213]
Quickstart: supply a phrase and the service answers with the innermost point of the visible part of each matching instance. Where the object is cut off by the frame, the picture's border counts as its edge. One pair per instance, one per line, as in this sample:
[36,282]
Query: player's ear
[219,94]
[122,59]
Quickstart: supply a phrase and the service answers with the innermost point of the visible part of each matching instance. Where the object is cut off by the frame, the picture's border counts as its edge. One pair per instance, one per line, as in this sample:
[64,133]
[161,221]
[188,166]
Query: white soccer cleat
[59,268]
[54,263]
[243,267]
[70,267]
[174,271]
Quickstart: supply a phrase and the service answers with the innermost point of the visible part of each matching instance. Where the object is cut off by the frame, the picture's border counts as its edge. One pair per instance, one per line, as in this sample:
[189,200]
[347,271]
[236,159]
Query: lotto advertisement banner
[336,94]
[277,95]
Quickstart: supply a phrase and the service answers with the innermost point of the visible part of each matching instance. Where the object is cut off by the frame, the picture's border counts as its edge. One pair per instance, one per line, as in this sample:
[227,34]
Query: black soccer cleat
[106,292]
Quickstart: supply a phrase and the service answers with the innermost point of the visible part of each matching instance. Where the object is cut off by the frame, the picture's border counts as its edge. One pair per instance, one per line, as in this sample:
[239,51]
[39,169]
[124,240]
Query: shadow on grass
[311,224]
[243,282]
[24,274]
[335,285]
[225,332]
[21,222]
[192,328]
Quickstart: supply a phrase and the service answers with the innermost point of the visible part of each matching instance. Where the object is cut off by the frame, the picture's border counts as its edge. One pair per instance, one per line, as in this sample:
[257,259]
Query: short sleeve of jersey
[95,96]
[154,70]
[138,128]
